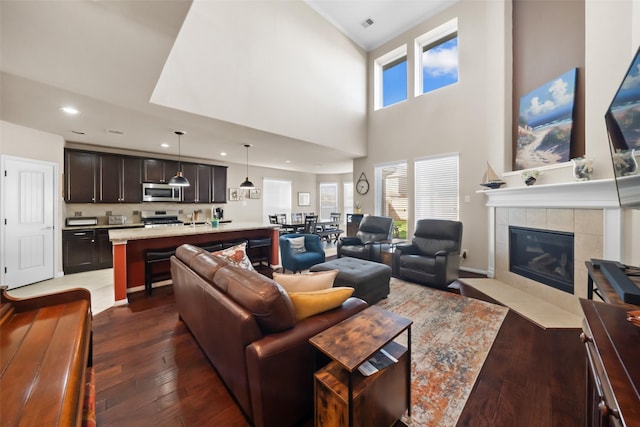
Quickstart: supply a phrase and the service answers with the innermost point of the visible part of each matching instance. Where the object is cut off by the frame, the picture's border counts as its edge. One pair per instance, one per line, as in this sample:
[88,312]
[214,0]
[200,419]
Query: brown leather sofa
[246,326]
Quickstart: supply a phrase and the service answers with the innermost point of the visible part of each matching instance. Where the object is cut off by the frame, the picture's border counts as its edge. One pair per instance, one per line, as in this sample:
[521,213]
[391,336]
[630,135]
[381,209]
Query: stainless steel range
[160,219]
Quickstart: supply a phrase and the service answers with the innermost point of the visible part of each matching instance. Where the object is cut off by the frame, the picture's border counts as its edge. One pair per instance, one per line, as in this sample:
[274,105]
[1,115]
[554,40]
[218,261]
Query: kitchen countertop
[103,226]
[122,235]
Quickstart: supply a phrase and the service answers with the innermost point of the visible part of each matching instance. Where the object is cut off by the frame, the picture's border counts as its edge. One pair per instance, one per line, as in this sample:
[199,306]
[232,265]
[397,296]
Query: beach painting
[545,123]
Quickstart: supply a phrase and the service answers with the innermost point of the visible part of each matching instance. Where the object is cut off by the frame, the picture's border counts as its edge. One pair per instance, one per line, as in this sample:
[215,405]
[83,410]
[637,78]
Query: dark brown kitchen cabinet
[199,190]
[219,190]
[158,170]
[81,171]
[103,250]
[119,179]
[94,177]
[85,250]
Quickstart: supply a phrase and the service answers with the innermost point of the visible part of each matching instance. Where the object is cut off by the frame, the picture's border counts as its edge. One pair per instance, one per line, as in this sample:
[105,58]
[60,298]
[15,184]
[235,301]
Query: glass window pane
[391,194]
[394,82]
[440,63]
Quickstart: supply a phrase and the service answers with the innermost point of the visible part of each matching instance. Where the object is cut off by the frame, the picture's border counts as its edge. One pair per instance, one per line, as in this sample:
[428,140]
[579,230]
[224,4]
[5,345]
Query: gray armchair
[373,232]
[433,257]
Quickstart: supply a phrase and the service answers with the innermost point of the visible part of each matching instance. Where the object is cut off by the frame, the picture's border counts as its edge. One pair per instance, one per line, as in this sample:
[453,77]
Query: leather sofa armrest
[281,366]
[351,241]
[407,249]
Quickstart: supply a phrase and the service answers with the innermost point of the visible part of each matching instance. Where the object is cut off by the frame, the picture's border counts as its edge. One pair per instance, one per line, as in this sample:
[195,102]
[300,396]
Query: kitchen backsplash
[132,210]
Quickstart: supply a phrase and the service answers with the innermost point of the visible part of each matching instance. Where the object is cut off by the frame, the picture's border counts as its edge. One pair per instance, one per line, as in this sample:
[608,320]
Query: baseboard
[474,270]
[153,286]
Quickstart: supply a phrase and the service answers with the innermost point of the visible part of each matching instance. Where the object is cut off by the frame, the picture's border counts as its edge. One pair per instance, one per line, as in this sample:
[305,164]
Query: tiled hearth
[587,209]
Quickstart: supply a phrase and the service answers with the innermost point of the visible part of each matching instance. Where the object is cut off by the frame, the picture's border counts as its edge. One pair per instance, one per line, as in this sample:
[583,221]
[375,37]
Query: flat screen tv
[623,125]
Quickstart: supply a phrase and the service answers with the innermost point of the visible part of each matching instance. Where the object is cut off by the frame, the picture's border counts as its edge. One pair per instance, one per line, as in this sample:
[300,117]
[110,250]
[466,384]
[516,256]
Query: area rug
[451,336]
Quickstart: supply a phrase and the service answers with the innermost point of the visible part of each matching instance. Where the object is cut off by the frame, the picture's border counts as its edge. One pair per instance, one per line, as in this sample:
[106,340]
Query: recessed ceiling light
[223,153]
[115,132]
[164,145]
[70,110]
[287,161]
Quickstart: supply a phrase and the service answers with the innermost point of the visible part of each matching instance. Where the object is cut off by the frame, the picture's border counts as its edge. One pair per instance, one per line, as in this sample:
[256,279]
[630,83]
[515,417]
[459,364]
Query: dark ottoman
[369,279]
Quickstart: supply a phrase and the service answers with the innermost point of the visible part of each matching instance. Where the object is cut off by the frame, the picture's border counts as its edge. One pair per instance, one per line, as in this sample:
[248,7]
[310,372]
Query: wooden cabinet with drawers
[612,346]
[86,249]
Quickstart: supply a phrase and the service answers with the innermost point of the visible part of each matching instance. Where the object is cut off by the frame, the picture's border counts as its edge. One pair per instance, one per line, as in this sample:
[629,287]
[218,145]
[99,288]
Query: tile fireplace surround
[589,209]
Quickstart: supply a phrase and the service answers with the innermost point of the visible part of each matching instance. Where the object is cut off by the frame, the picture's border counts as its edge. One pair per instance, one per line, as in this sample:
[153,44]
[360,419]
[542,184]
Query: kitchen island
[130,245]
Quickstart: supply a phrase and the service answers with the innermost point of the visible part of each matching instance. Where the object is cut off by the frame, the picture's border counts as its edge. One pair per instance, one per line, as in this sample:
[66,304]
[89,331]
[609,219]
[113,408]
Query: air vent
[115,132]
[367,23]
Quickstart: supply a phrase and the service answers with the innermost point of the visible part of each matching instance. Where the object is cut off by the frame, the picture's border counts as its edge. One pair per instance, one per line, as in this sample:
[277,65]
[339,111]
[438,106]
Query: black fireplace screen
[542,255]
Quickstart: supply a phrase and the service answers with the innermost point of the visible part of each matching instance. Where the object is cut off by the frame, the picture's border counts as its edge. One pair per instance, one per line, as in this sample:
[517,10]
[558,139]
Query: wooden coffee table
[342,393]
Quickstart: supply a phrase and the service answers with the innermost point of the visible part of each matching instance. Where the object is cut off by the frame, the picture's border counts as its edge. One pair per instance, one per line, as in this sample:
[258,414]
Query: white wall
[471,117]
[20,141]
[612,38]
[276,66]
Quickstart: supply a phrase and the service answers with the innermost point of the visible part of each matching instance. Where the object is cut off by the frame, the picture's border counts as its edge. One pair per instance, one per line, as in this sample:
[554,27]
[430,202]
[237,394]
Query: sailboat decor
[490,179]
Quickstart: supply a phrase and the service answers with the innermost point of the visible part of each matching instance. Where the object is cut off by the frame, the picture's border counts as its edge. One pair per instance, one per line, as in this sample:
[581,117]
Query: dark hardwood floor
[151,372]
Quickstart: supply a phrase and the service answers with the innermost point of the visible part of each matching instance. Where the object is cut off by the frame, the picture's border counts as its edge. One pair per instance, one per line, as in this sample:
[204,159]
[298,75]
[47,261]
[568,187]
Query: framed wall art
[304,199]
[234,194]
[255,193]
[545,123]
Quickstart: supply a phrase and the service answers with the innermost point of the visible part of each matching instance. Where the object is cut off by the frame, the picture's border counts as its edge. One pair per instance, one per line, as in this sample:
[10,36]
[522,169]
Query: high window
[328,200]
[391,195]
[390,76]
[436,187]
[276,198]
[437,57]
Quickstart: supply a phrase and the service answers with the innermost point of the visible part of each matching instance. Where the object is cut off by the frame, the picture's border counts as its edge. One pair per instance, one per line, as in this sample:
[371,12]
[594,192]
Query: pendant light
[247,183]
[179,180]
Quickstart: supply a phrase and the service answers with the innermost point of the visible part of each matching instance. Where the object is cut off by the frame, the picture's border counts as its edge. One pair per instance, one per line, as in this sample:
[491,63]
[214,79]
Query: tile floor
[98,282]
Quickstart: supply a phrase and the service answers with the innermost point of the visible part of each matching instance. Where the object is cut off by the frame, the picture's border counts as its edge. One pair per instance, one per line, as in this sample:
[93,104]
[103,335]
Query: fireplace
[542,255]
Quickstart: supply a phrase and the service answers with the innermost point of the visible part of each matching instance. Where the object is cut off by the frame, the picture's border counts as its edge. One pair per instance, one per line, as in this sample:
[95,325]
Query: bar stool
[259,245]
[152,257]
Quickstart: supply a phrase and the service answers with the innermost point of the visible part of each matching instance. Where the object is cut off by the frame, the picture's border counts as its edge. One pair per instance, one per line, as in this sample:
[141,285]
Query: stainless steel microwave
[152,192]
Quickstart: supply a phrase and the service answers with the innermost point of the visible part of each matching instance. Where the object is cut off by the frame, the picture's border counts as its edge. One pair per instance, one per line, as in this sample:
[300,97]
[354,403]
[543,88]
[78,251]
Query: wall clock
[362,186]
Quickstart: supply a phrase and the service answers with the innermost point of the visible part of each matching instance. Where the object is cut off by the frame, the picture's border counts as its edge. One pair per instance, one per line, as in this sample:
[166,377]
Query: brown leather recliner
[245,324]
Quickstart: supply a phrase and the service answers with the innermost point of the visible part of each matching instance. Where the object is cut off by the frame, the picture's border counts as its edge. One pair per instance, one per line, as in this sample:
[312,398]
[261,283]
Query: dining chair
[310,222]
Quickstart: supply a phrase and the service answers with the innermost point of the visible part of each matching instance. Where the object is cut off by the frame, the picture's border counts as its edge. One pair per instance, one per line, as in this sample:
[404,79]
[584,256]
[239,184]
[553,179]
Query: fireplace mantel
[598,194]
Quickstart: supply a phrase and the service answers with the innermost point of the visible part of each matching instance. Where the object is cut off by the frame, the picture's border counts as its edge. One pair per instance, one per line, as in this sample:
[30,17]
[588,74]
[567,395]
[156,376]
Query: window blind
[276,198]
[328,200]
[436,187]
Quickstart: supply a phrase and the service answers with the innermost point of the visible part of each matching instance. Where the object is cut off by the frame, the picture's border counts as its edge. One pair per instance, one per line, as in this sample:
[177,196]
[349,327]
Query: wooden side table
[343,395]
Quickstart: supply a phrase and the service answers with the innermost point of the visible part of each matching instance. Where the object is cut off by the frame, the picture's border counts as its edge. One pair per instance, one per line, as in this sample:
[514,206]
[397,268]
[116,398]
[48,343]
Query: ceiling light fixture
[247,183]
[179,180]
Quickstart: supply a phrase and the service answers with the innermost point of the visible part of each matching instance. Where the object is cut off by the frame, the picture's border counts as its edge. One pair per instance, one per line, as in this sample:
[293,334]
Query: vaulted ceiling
[113,61]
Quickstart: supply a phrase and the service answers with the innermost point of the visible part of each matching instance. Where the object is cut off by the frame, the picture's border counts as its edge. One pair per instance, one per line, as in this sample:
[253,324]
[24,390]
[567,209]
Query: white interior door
[27,222]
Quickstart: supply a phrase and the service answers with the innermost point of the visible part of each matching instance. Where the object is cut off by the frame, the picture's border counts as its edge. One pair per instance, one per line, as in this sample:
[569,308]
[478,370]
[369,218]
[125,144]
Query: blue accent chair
[314,254]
